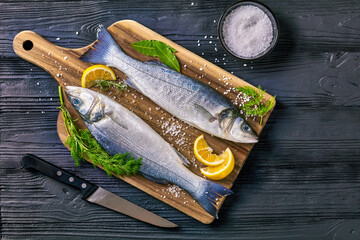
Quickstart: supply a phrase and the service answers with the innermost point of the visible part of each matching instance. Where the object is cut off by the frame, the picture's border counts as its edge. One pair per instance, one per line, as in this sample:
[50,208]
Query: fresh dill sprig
[105,85]
[83,144]
[253,104]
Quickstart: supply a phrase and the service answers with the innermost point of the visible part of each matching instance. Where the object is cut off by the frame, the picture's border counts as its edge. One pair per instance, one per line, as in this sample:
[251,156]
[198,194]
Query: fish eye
[76,101]
[245,128]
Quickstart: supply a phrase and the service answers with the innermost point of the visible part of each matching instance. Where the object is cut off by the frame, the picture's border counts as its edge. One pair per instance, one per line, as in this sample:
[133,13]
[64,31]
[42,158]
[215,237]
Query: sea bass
[190,100]
[118,130]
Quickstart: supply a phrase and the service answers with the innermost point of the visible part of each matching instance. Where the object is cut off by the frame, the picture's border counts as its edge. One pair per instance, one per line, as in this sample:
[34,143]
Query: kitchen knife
[93,193]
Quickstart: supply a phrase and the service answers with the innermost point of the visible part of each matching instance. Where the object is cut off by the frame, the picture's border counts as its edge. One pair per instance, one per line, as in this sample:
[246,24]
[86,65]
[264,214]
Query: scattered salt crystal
[214,21]
[205,37]
[58,75]
[200,69]
[202,53]
[210,42]
[185,66]
[199,44]
[248,31]
[245,64]
[58,38]
[49,53]
[77,33]
[65,58]
[192,4]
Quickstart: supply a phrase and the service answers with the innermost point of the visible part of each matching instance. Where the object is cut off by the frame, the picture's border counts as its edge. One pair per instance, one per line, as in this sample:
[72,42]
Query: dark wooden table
[301,180]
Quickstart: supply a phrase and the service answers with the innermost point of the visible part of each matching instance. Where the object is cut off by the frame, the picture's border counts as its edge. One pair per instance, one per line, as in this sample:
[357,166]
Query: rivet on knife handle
[35,163]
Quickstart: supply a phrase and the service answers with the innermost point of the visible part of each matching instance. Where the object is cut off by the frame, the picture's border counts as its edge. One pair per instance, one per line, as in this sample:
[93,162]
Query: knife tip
[172,225]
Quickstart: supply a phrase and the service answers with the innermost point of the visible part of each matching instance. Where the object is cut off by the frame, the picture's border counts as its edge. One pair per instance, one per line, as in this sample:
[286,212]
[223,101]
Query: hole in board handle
[28,45]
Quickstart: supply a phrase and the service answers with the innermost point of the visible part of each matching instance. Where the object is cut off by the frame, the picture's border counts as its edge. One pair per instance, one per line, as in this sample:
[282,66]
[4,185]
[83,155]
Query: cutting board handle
[34,48]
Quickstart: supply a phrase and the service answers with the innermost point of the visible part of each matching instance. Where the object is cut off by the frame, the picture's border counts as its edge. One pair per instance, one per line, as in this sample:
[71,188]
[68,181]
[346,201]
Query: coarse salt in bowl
[248,30]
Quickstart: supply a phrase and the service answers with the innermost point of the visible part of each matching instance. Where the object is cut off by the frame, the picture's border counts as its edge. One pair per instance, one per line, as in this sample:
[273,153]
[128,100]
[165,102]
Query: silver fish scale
[115,133]
[176,93]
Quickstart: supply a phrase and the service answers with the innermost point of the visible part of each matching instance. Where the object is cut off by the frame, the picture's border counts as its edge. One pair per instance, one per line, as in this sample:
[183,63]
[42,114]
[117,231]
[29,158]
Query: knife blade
[93,193]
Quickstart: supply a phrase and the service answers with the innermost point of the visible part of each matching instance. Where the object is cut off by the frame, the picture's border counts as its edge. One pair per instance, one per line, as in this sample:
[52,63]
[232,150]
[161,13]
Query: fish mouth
[70,89]
[251,140]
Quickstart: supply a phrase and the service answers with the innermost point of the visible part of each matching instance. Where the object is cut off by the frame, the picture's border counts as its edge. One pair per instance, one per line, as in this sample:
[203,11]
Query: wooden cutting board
[66,68]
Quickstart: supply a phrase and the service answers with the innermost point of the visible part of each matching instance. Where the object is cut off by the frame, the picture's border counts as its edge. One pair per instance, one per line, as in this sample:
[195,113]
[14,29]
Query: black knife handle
[32,162]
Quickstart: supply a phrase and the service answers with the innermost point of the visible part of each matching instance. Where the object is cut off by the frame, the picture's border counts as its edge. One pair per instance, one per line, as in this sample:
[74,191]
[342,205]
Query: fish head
[241,131]
[236,127]
[86,102]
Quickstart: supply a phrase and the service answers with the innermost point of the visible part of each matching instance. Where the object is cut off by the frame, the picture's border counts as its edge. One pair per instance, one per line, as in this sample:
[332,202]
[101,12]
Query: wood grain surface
[66,68]
[300,181]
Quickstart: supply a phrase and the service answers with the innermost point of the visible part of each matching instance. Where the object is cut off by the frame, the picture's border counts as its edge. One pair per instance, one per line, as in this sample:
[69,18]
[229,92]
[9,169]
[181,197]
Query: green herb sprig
[155,48]
[105,85]
[253,105]
[83,144]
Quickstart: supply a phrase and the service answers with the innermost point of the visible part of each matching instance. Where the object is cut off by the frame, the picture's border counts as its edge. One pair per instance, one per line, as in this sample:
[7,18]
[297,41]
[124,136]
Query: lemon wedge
[218,166]
[96,72]
[223,170]
[204,154]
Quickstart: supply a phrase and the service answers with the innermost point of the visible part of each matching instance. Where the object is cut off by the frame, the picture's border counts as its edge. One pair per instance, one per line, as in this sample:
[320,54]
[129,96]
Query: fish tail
[208,195]
[104,47]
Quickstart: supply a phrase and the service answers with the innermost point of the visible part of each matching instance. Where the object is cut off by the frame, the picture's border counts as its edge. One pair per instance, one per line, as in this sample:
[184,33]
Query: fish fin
[183,159]
[208,195]
[129,82]
[154,179]
[116,119]
[103,47]
[205,113]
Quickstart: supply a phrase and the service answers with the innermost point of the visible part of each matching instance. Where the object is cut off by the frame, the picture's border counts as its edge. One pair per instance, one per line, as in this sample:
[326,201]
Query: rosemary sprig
[253,104]
[83,144]
[105,85]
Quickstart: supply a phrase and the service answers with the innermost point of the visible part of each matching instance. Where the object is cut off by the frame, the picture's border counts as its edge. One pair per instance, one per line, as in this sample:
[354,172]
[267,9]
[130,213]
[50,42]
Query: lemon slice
[95,72]
[222,170]
[204,154]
